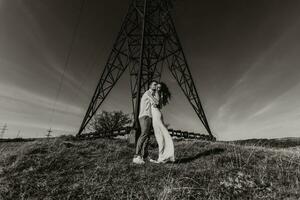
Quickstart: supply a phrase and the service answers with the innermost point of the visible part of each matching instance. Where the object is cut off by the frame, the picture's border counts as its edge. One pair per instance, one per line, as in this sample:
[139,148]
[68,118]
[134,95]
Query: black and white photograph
[150,99]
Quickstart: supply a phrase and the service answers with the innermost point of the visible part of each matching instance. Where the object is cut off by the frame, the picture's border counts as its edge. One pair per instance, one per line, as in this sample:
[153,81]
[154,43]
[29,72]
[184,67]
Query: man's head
[152,85]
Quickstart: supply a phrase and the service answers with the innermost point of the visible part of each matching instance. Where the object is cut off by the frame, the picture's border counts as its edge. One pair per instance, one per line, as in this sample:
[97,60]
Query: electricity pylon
[3,130]
[49,131]
[146,43]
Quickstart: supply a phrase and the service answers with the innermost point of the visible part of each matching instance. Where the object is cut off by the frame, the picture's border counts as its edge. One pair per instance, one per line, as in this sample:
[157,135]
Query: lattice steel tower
[146,43]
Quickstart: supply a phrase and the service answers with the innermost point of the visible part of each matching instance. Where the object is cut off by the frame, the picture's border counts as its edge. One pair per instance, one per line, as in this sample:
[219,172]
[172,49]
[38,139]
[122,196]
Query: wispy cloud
[255,102]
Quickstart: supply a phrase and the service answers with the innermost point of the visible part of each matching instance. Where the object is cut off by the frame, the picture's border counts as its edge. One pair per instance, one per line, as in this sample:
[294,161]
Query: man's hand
[154,105]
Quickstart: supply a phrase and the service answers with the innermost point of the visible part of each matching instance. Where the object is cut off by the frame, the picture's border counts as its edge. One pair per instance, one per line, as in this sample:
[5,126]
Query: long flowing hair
[165,94]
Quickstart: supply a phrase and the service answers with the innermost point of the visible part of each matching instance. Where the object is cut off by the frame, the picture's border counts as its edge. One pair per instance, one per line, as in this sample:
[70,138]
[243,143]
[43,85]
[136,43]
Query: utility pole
[18,135]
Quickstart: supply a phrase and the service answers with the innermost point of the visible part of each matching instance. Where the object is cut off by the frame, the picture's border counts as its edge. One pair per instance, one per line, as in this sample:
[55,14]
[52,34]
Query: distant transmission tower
[146,43]
[18,135]
[3,130]
[49,133]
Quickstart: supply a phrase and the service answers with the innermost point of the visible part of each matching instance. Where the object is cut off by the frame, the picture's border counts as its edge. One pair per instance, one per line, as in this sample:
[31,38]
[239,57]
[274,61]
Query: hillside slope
[65,169]
[272,143]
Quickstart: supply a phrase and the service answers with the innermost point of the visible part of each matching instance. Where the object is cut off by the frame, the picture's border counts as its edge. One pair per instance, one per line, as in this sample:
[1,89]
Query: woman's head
[158,87]
[162,88]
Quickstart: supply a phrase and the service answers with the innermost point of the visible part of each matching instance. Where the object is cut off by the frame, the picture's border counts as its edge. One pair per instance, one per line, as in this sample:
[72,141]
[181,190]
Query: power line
[68,58]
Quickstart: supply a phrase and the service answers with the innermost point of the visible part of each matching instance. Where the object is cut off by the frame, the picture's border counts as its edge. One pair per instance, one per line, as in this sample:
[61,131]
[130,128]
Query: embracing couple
[152,101]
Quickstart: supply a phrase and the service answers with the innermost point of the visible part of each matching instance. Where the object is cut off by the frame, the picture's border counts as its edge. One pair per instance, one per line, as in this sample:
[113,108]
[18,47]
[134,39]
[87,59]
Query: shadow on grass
[199,155]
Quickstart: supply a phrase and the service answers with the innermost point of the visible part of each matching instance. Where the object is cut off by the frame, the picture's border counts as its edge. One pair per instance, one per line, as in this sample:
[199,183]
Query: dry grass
[102,169]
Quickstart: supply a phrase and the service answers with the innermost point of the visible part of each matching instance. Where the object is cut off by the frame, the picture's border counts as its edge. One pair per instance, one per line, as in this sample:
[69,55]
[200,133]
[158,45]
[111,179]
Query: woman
[163,138]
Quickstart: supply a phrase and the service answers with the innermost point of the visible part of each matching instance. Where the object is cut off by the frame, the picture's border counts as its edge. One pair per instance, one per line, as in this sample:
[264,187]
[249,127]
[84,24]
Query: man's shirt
[146,103]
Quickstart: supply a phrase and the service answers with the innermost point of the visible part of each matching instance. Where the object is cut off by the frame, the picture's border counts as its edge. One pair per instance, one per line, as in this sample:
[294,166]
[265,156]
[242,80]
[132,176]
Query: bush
[109,121]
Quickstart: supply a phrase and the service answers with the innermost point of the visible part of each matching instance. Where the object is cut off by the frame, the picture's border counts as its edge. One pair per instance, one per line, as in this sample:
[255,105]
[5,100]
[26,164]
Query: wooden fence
[126,131]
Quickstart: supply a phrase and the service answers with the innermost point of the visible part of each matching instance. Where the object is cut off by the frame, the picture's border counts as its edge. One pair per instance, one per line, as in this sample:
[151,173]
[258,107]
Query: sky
[243,54]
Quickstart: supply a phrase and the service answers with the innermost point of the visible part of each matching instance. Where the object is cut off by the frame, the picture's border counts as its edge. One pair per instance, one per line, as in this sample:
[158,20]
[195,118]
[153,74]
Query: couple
[152,101]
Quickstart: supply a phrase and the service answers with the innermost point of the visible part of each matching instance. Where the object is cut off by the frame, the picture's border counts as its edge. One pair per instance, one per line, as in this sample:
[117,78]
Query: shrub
[108,121]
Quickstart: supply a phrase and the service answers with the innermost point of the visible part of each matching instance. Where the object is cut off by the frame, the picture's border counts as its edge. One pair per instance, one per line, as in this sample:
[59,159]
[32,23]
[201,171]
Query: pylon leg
[177,64]
[118,61]
[126,52]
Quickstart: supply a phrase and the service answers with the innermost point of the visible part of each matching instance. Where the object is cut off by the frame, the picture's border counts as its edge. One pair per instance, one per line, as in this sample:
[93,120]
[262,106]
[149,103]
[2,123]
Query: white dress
[163,138]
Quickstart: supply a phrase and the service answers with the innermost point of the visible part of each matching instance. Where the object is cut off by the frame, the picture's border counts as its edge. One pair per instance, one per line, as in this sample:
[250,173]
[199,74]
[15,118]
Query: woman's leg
[159,139]
[168,144]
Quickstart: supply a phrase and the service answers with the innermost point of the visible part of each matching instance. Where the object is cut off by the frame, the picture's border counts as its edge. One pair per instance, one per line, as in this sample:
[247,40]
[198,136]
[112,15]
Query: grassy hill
[63,168]
[274,143]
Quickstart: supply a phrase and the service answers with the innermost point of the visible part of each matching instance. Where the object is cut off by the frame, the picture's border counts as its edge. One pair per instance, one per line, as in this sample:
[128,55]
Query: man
[145,119]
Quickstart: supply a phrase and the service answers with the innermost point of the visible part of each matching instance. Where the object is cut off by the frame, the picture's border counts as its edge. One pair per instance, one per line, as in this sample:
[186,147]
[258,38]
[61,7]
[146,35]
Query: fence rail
[127,130]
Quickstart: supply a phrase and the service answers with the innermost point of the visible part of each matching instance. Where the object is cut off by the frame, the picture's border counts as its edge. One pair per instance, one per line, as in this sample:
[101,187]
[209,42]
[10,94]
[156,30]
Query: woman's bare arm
[153,99]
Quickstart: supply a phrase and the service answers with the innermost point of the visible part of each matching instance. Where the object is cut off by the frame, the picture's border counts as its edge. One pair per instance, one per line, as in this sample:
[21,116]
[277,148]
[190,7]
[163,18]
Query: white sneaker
[138,160]
[150,160]
[153,161]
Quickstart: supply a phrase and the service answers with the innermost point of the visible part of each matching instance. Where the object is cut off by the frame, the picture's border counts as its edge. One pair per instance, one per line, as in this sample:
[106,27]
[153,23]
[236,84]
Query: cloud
[20,106]
[264,96]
